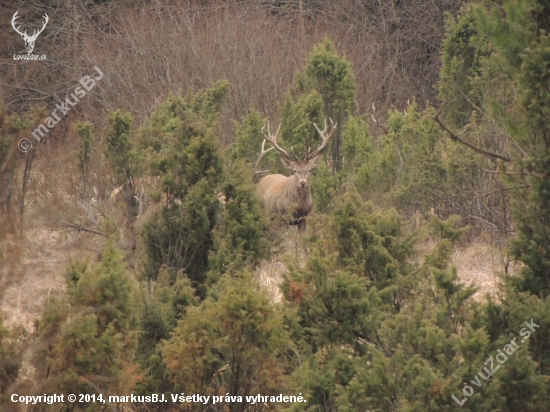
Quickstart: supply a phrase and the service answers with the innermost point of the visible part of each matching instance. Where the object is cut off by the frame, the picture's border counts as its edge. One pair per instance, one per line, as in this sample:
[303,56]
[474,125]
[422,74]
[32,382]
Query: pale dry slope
[47,252]
[480,264]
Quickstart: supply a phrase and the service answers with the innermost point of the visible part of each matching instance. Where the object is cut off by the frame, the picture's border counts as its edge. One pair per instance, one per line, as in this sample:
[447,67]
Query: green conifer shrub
[87,337]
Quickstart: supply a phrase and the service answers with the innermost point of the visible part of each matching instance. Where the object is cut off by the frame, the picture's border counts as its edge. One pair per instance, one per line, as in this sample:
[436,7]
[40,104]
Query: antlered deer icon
[29,40]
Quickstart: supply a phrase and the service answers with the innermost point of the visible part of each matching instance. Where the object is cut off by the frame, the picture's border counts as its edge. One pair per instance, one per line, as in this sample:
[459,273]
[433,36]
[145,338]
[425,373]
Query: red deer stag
[282,194]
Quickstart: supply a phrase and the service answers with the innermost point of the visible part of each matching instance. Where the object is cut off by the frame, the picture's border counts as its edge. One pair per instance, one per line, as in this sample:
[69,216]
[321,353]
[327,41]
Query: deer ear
[288,163]
[313,162]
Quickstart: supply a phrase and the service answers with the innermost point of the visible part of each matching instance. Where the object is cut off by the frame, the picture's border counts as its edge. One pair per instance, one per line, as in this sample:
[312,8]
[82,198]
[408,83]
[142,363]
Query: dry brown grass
[47,252]
[270,275]
[481,264]
[53,203]
[271,272]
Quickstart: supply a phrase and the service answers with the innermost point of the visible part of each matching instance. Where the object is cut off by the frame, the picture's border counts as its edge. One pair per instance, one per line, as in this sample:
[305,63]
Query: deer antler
[24,34]
[262,154]
[325,138]
[15,16]
[273,140]
[37,32]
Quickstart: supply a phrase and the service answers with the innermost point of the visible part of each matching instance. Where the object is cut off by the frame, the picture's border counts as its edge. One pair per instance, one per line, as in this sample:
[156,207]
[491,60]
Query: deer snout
[302,183]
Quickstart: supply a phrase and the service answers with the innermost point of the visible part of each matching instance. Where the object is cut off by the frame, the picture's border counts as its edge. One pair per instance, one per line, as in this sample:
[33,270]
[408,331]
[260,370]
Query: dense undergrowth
[368,320]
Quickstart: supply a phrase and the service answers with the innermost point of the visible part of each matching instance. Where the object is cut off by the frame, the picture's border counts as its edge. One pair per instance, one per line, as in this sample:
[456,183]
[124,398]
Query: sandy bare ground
[46,254]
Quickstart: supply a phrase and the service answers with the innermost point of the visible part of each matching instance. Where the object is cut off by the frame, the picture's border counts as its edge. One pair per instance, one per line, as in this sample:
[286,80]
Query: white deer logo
[29,40]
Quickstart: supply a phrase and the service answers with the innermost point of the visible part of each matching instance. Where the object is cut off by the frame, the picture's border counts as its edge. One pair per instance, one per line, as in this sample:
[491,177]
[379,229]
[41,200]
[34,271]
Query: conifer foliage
[10,362]
[87,338]
[242,231]
[234,342]
[180,145]
[331,75]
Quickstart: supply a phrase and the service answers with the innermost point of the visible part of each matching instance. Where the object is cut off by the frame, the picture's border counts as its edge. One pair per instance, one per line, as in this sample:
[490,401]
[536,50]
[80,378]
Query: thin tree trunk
[26,175]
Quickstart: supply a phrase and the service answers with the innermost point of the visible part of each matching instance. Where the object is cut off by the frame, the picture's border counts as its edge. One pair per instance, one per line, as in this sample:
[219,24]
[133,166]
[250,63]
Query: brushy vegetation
[369,319]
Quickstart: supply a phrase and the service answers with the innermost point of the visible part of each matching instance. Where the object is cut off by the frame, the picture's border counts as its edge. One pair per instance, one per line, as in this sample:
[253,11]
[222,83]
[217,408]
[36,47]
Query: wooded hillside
[175,280]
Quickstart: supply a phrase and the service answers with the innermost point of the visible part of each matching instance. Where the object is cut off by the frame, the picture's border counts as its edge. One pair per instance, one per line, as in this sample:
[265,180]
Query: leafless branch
[73,225]
[492,122]
[383,127]
[456,138]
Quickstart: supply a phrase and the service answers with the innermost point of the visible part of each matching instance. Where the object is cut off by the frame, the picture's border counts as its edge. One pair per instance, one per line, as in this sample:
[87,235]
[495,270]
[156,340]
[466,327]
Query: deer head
[29,40]
[301,167]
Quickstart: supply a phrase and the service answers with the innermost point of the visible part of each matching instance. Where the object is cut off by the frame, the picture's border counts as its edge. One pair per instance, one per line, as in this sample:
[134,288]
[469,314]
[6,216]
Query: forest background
[443,140]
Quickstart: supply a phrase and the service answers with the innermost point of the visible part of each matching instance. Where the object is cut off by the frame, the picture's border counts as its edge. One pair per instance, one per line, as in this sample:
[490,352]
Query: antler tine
[262,154]
[15,16]
[37,32]
[273,140]
[325,138]
[46,20]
